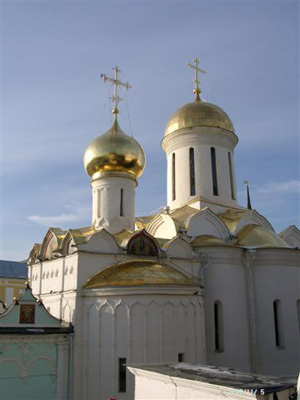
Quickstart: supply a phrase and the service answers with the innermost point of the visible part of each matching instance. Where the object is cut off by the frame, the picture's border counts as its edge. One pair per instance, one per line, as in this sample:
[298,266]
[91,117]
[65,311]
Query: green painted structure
[34,352]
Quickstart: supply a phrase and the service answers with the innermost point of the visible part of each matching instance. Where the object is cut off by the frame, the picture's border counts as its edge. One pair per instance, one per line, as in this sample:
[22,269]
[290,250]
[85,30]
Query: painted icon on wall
[27,313]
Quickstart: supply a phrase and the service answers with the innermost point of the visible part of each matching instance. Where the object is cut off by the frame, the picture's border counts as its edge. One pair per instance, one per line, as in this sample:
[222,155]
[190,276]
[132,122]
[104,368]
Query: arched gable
[178,248]
[291,236]
[101,242]
[68,245]
[51,243]
[206,222]
[252,217]
[34,255]
[163,226]
[142,243]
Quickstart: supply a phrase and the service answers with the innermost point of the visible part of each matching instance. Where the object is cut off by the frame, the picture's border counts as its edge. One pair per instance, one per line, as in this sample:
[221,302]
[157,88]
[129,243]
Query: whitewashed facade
[237,304]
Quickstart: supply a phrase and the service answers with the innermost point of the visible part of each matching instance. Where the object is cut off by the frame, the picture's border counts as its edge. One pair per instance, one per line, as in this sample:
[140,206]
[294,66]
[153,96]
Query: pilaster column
[62,370]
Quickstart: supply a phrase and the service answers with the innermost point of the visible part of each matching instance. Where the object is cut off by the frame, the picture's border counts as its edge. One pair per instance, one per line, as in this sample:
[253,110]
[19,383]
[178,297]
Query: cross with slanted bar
[197,90]
[115,98]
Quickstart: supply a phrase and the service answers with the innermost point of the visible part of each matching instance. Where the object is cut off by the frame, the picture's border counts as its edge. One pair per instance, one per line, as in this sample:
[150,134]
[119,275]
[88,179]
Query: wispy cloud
[77,213]
[284,188]
[54,220]
[279,187]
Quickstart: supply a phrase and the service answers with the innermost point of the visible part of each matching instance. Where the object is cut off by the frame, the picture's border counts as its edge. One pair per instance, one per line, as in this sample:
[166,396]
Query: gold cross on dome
[116,82]
[197,90]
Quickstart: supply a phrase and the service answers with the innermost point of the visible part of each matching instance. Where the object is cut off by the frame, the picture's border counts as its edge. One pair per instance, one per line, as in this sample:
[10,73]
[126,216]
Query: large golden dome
[114,151]
[199,114]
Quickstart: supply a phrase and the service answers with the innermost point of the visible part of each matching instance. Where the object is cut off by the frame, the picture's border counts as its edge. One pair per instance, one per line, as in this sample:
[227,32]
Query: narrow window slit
[122,203]
[231,176]
[219,330]
[122,375]
[278,327]
[214,171]
[192,172]
[173,178]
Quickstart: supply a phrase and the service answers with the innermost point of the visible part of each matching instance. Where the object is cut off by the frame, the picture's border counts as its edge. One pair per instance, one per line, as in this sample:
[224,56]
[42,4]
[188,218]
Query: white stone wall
[141,328]
[276,276]
[247,283]
[107,203]
[225,281]
[55,281]
[201,139]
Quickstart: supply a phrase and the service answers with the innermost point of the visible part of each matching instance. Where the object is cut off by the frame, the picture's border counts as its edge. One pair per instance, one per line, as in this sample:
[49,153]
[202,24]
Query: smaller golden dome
[114,151]
[140,273]
[199,114]
[259,236]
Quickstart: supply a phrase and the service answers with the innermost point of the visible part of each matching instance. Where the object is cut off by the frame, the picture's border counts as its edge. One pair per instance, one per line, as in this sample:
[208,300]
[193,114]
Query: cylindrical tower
[199,142]
[114,161]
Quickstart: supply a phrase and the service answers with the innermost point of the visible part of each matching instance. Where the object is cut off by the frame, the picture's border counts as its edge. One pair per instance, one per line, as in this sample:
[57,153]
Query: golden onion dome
[114,151]
[199,114]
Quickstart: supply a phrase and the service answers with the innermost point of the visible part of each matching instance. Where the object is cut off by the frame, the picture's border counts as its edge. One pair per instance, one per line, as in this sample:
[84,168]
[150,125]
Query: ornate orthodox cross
[116,82]
[197,90]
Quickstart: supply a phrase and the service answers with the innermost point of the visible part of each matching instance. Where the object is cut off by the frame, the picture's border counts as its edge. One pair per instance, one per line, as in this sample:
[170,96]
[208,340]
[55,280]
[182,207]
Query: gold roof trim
[183,213]
[123,237]
[209,240]
[259,236]
[82,235]
[231,218]
[142,222]
[140,273]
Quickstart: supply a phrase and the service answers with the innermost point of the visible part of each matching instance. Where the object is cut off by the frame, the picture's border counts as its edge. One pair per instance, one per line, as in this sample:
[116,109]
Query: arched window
[219,326]
[192,172]
[122,203]
[173,178]
[278,323]
[231,176]
[214,171]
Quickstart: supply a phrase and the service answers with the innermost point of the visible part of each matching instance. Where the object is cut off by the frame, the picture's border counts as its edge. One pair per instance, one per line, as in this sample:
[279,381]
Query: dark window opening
[180,357]
[173,178]
[218,320]
[192,173]
[298,312]
[122,375]
[231,176]
[278,323]
[214,171]
[122,203]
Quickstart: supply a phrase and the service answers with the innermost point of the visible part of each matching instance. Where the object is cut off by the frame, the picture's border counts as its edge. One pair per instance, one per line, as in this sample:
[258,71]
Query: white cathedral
[204,281]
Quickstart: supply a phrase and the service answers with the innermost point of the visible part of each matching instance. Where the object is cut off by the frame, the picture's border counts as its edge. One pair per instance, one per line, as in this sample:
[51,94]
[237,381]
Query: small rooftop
[221,376]
[13,269]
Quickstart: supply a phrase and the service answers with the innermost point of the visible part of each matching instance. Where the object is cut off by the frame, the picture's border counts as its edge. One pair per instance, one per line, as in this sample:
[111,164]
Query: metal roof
[13,269]
[221,376]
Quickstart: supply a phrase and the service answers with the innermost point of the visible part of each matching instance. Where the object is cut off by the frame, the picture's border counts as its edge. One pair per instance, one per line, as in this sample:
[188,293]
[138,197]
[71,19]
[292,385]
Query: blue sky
[54,102]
